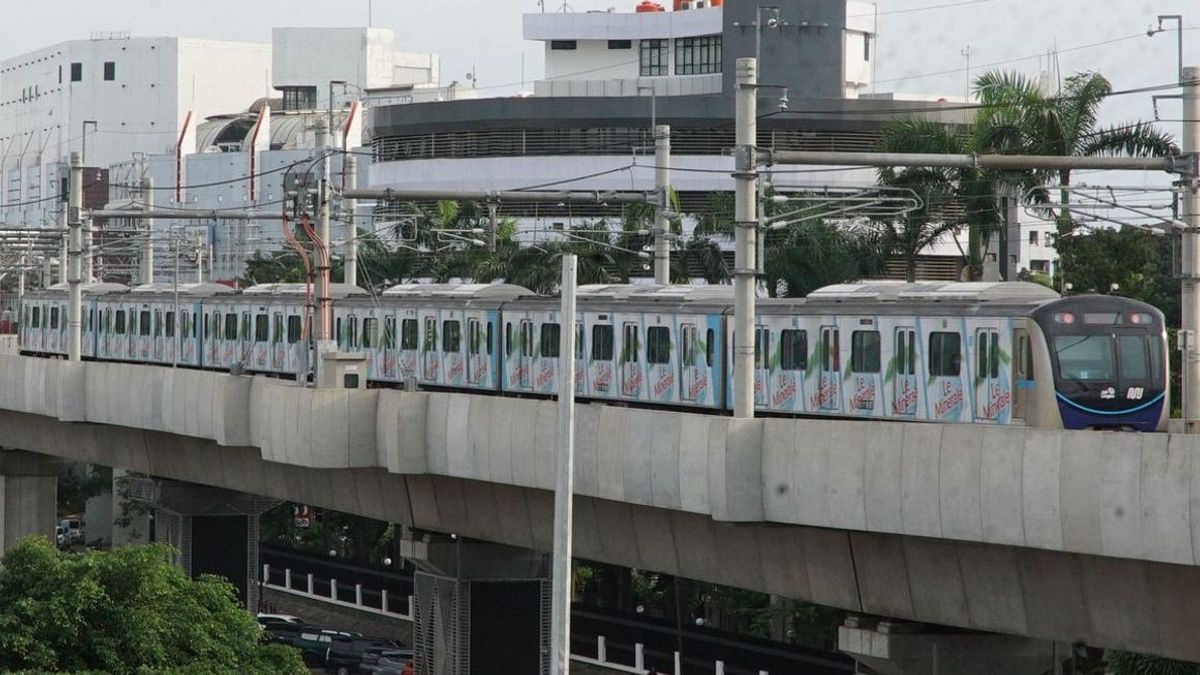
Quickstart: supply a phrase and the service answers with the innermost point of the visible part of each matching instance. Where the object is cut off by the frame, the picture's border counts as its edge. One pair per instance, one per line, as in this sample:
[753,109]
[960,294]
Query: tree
[124,611]
[1018,117]
[1127,663]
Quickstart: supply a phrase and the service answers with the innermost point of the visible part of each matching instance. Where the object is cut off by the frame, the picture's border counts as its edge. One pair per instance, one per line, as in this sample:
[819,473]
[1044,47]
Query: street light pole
[745,215]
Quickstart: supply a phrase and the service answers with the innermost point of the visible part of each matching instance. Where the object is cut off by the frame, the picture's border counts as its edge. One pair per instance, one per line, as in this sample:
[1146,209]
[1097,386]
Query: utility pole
[199,259]
[324,297]
[350,171]
[560,609]
[1191,249]
[745,215]
[662,184]
[493,222]
[148,245]
[75,275]
[65,244]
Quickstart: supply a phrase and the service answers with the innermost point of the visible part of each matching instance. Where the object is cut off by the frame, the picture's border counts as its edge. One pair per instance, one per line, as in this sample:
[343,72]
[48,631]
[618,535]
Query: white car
[272,620]
[60,536]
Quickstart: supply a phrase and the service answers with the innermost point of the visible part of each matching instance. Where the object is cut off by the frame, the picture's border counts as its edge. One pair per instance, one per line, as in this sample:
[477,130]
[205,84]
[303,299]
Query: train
[999,353]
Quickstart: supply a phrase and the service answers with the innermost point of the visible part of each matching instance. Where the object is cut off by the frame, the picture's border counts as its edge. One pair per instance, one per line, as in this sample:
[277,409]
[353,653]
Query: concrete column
[28,496]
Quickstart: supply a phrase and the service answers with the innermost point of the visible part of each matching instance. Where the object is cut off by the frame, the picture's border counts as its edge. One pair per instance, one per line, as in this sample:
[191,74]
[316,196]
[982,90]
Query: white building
[121,95]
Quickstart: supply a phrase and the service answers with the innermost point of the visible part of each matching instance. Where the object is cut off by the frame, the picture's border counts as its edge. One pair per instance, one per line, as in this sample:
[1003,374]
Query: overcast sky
[914,38]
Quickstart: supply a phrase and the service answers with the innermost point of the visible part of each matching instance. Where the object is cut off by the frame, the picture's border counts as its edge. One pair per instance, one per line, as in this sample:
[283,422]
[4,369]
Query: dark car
[380,661]
[345,653]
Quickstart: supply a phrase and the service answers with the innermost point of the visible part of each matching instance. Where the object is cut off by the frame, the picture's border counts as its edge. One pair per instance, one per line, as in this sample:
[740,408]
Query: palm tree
[1018,117]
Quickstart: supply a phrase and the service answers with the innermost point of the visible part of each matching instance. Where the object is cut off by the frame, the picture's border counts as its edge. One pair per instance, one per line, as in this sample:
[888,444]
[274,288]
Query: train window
[579,350]
[245,334]
[981,353]
[629,347]
[864,351]
[551,332]
[53,318]
[389,332]
[36,322]
[277,328]
[1134,360]
[262,328]
[1024,357]
[508,339]
[602,342]
[430,334]
[762,347]
[994,357]
[408,334]
[658,344]
[231,326]
[793,350]
[144,323]
[120,327]
[170,324]
[91,320]
[687,344]
[451,336]
[945,354]
[526,338]
[108,321]
[370,333]
[295,329]
[709,346]
[1085,357]
[491,337]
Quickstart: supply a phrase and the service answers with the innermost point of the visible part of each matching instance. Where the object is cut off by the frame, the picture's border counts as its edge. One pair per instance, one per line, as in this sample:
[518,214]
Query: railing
[308,588]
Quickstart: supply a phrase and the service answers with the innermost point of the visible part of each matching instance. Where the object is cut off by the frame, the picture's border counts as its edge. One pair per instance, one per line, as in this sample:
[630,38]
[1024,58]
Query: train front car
[1108,356]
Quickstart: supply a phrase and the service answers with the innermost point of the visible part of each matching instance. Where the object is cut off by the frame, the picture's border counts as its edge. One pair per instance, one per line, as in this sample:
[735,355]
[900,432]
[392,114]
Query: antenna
[967,53]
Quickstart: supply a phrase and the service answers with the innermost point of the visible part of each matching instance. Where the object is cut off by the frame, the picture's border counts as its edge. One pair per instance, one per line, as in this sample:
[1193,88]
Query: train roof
[714,294]
[336,291]
[89,288]
[1000,292]
[192,290]
[467,291]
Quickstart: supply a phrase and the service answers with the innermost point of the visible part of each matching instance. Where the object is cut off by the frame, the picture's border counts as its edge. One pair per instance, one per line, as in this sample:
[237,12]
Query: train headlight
[1064,318]
[1141,319]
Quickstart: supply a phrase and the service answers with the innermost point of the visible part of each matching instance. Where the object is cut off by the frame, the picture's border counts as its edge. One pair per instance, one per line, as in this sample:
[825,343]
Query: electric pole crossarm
[1047,162]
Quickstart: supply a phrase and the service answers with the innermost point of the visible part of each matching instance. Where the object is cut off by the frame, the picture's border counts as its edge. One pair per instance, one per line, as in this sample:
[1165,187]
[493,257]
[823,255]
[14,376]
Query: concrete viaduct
[1066,536]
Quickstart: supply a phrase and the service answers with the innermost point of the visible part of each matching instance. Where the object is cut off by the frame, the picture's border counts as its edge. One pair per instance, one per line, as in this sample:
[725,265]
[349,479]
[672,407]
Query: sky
[917,38]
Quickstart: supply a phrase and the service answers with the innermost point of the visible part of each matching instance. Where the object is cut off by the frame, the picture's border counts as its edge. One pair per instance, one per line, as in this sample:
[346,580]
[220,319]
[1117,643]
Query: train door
[829,395]
[278,345]
[408,362]
[453,350]
[145,338]
[261,351]
[297,345]
[660,366]
[387,362]
[477,357]
[945,393]
[525,354]
[788,385]
[992,395]
[52,333]
[600,351]
[429,348]
[88,348]
[371,343]
[762,365]
[1022,372]
[631,360]
[157,348]
[903,372]
[546,356]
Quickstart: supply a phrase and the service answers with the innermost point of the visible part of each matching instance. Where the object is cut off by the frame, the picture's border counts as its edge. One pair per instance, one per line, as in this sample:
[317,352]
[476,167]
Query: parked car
[270,620]
[312,641]
[73,529]
[384,661]
[345,654]
[60,536]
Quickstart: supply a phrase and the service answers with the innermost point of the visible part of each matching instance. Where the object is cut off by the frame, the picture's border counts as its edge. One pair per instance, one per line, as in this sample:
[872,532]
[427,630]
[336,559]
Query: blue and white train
[985,353]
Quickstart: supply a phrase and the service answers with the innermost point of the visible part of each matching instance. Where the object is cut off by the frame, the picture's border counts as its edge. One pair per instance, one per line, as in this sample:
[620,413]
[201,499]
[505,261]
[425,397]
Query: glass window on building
[77,72]
[620,44]
[110,71]
[653,57]
[563,45]
[698,55]
[299,98]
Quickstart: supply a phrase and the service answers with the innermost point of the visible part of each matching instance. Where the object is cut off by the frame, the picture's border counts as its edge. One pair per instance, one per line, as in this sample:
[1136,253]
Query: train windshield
[1128,358]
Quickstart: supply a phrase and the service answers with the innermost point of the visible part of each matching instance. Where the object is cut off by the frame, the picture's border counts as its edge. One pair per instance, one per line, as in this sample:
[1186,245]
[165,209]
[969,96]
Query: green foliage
[1139,261]
[1128,663]
[77,484]
[124,611]
[351,537]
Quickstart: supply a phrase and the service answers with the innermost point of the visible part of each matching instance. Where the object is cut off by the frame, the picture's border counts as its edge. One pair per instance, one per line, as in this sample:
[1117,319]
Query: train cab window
[408,334]
[389,332]
[277,328]
[474,337]
[231,326]
[945,354]
[551,332]
[295,329]
[793,350]
[602,342]
[658,344]
[144,323]
[119,329]
[762,347]
[370,333]
[864,351]
[53,318]
[1135,362]
[629,345]
[451,336]
[170,324]
[262,328]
